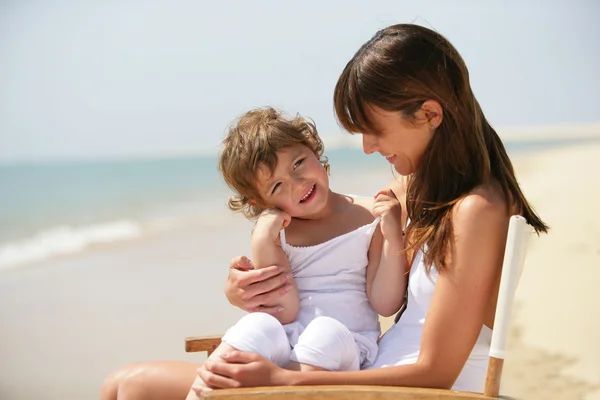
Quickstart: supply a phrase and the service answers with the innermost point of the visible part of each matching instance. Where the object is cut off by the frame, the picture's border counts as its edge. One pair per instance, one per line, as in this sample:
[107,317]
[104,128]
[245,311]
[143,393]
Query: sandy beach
[66,323]
[555,342]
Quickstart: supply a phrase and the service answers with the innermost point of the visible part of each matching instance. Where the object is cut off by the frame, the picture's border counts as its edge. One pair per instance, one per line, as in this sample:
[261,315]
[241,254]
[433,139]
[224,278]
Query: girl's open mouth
[309,195]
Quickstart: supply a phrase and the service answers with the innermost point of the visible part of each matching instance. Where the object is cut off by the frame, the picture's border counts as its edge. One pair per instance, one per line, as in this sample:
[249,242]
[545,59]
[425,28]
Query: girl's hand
[241,369]
[250,289]
[389,209]
[270,222]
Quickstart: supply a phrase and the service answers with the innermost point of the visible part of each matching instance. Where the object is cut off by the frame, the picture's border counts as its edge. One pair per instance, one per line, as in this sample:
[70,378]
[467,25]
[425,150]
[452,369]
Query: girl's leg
[255,333]
[327,344]
[259,333]
[149,381]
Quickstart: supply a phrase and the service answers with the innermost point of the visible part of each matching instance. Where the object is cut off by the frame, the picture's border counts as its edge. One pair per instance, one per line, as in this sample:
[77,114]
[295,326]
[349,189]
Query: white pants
[324,343]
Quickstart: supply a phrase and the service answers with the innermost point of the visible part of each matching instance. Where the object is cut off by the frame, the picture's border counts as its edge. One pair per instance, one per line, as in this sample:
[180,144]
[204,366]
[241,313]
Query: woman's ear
[433,112]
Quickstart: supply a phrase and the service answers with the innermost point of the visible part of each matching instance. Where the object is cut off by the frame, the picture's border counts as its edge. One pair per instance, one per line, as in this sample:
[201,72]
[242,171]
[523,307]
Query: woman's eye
[275,187]
[297,163]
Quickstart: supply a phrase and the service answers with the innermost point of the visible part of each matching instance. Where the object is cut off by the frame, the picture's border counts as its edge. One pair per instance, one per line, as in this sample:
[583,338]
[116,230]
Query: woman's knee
[126,381]
[162,380]
[110,387]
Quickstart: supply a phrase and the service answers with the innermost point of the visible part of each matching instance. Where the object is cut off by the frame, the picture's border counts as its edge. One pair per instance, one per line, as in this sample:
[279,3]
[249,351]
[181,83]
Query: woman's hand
[241,369]
[250,289]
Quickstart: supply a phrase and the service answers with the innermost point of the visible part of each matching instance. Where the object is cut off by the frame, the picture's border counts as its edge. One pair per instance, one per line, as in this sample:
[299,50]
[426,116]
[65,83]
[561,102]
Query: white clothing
[331,281]
[401,344]
[261,333]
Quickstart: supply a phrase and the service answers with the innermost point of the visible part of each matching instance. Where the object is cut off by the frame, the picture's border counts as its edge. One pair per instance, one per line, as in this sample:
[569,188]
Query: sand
[555,350]
[66,323]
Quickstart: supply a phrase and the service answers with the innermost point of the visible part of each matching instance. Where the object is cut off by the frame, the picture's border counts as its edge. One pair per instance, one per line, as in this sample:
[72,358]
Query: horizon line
[514,134]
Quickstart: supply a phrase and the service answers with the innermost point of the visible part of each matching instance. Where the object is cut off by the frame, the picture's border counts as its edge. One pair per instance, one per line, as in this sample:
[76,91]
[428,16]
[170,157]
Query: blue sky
[92,79]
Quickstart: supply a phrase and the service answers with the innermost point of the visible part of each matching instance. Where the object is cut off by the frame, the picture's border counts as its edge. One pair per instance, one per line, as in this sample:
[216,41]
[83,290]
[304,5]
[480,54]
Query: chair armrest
[350,392]
[202,343]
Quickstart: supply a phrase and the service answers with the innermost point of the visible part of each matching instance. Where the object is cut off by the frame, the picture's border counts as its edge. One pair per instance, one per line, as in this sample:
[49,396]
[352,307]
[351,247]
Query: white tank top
[401,344]
[331,279]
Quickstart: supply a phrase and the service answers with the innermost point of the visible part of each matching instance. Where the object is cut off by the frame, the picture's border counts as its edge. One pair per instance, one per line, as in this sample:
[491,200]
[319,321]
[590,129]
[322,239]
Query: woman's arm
[454,320]
[250,289]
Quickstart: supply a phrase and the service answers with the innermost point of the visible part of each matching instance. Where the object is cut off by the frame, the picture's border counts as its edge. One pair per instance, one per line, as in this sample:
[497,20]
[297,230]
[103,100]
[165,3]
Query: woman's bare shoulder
[485,208]
[483,200]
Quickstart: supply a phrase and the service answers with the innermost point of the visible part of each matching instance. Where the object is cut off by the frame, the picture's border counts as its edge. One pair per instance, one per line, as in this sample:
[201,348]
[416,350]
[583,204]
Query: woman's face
[400,140]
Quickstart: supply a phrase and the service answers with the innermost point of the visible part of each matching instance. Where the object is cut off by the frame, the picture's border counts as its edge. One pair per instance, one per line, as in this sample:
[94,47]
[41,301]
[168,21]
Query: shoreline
[65,236]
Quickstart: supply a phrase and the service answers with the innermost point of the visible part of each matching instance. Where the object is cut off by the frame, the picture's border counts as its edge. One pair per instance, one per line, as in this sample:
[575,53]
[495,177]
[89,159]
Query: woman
[407,92]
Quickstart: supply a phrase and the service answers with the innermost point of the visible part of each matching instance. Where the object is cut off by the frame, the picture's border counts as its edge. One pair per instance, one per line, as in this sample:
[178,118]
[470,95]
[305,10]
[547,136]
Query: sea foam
[64,240]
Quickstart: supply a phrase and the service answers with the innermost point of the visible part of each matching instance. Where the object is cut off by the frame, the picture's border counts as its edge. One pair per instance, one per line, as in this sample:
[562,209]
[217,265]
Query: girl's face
[299,184]
[401,141]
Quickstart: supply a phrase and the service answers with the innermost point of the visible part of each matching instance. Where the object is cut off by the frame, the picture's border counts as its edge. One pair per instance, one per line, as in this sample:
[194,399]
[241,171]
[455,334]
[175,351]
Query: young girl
[344,253]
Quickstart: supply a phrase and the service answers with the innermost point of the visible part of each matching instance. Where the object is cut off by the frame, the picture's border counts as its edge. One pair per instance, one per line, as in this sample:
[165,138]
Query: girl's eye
[297,163]
[275,187]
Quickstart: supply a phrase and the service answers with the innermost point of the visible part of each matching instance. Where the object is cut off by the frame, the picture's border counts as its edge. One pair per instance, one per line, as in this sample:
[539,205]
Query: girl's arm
[386,275]
[386,271]
[456,315]
[267,251]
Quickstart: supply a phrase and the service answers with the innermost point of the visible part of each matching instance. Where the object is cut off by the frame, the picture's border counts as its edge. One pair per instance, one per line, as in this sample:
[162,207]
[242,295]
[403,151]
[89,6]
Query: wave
[65,240]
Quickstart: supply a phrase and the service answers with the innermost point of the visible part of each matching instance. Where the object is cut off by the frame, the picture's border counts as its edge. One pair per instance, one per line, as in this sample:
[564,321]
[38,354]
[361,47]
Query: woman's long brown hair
[399,69]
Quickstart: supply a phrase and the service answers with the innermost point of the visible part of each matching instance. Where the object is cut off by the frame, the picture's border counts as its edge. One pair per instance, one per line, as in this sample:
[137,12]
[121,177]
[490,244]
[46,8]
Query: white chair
[514,258]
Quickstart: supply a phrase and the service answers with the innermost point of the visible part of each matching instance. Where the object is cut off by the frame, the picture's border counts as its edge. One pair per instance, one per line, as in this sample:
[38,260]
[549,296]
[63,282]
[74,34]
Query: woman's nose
[369,143]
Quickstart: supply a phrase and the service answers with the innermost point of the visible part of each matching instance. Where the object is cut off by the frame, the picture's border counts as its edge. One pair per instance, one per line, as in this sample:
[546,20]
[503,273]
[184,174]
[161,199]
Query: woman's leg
[256,332]
[168,380]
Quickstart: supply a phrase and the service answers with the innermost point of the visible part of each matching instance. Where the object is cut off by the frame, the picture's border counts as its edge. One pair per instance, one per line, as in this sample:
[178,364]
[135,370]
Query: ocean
[56,209]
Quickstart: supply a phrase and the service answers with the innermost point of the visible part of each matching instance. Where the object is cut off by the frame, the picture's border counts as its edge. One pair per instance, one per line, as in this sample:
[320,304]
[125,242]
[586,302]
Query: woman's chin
[405,166]
[403,170]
